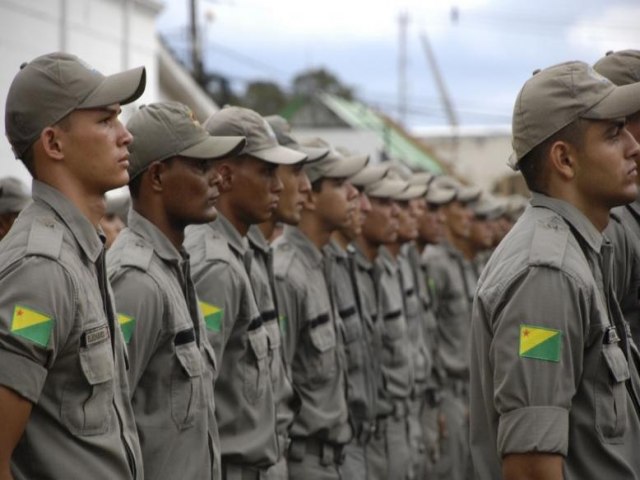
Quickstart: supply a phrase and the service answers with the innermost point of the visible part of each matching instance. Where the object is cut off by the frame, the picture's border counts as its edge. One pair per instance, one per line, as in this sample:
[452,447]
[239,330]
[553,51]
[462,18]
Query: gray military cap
[261,139]
[282,129]
[463,193]
[555,97]
[334,165]
[622,67]
[50,87]
[438,195]
[168,129]
[489,207]
[386,188]
[13,195]
[369,175]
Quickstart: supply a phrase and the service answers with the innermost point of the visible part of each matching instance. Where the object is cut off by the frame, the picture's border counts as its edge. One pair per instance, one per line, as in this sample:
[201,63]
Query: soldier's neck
[370,250]
[158,216]
[313,228]
[267,228]
[341,239]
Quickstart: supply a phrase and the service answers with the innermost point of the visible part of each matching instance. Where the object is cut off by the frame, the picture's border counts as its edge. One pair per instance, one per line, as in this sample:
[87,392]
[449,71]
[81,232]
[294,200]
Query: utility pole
[196,52]
[403,21]
[440,83]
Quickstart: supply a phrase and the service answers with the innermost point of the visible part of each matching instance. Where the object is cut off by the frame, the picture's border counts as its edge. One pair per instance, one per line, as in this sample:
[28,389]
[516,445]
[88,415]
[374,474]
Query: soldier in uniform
[453,277]
[382,308]
[623,68]
[554,387]
[295,187]
[171,364]
[312,343]
[13,199]
[64,399]
[361,377]
[221,263]
[431,232]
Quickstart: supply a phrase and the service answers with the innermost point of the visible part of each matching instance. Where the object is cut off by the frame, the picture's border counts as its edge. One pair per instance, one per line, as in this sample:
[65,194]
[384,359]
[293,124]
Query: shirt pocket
[353,337]
[256,364]
[611,394]
[87,401]
[186,381]
[393,334]
[273,333]
[322,354]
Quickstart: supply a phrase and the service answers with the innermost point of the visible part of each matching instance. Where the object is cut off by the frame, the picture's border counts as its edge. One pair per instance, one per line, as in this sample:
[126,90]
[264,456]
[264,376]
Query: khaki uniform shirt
[361,382]
[396,354]
[415,313]
[312,345]
[263,283]
[454,281]
[245,404]
[367,293]
[551,366]
[624,232]
[172,364]
[61,349]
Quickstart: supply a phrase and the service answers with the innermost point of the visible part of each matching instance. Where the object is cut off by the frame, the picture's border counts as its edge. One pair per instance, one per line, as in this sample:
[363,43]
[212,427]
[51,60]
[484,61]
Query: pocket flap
[273,329]
[259,343]
[617,362]
[97,363]
[322,335]
[190,359]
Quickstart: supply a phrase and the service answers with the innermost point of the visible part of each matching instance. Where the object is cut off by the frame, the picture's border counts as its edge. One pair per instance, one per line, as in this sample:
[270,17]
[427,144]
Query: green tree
[311,81]
[266,98]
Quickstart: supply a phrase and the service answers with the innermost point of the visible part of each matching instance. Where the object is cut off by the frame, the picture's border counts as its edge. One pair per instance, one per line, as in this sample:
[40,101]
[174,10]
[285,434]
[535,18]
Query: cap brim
[621,102]
[386,188]
[124,87]
[279,155]
[313,153]
[348,166]
[369,175]
[440,196]
[215,147]
[468,194]
[411,192]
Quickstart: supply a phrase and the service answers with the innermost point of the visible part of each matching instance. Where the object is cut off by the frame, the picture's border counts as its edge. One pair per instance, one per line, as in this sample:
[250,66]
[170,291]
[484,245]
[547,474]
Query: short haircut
[533,164]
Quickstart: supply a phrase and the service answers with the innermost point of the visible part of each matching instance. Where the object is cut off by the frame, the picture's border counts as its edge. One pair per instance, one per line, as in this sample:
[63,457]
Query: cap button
[24,64]
[608,53]
[536,71]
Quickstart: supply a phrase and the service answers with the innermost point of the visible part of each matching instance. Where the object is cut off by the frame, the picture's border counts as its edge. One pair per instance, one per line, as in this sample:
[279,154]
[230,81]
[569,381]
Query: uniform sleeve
[218,288]
[289,301]
[37,313]
[140,307]
[536,355]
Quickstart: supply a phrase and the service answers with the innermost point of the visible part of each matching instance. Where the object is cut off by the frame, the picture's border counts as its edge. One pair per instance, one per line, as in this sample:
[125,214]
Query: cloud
[614,29]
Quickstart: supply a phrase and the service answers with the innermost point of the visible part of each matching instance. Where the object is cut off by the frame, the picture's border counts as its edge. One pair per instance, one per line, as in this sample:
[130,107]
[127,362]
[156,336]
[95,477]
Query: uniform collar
[303,243]
[257,239]
[361,258]
[635,206]
[152,234]
[574,217]
[90,239]
[333,248]
[236,241]
[386,259]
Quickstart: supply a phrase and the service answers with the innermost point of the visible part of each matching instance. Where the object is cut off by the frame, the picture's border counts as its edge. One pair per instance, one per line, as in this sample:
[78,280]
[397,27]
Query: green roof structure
[398,143]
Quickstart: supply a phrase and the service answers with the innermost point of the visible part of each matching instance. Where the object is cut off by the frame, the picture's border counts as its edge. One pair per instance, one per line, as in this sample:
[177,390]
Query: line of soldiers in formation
[276,318]
[281,309]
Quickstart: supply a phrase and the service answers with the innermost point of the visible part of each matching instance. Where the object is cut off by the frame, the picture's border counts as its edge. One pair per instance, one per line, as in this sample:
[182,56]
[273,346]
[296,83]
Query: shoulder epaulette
[137,254]
[549,242]
[45,238]
[217,248]
[282,260]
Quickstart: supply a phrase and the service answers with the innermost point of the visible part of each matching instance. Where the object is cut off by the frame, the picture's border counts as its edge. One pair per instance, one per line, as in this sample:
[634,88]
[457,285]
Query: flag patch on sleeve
[32,325]
[127,325]
[212,316]
[540,343]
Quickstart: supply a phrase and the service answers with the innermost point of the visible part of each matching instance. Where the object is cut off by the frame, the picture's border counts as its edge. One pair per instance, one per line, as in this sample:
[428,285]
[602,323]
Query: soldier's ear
[562,159]
[154,176]
[226,177]
[52,143]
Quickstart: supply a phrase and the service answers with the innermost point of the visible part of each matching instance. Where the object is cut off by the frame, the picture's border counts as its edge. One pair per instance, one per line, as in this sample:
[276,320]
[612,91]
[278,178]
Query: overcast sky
[484,56]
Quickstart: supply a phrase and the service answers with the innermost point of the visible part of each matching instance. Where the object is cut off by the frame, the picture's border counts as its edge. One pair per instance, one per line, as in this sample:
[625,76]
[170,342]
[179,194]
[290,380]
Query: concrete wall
[478,155]
[110,35]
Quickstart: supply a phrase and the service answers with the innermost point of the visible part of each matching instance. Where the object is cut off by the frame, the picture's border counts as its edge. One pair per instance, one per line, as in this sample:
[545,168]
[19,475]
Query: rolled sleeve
[534,429]
[22,375]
